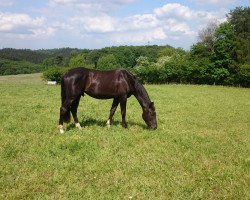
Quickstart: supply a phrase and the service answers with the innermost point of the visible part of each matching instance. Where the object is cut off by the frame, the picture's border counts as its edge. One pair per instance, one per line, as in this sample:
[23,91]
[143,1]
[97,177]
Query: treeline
[22,55]
[20,61]
[26,61]
[10,67]
[109,58]
[105,58]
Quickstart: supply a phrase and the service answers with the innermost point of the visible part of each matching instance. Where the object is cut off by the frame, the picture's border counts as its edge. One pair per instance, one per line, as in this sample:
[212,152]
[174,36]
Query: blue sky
[96,24]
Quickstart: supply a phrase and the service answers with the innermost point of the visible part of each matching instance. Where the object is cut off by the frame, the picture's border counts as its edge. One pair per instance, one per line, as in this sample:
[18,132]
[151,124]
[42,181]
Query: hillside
[26,61]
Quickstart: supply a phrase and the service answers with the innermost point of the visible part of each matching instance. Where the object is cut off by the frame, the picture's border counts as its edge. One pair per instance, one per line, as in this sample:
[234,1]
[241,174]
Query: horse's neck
[141,95]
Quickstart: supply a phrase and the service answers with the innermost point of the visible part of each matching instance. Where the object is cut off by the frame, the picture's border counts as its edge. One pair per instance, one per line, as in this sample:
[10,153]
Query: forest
[221,56]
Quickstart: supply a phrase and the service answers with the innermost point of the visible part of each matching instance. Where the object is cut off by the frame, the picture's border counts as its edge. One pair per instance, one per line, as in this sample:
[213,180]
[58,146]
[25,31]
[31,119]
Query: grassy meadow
[201,149]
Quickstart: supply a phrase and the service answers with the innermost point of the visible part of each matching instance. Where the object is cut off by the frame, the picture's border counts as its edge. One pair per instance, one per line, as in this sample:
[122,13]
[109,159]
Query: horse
[117,84]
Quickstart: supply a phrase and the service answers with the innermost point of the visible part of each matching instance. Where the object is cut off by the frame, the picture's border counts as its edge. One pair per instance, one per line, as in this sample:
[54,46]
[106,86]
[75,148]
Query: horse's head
[149,116]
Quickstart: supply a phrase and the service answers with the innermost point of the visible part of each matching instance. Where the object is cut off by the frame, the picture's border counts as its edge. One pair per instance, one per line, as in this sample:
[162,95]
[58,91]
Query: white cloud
[141,37]
[144,21]
[184,13]
[181,20]
[7,2]
[175,26]
[43,32]
[174,10]
[94,24]
[22,25]
[90,6]
[9,21]
[206,17]
[214,1]
[106,23]
[86,2]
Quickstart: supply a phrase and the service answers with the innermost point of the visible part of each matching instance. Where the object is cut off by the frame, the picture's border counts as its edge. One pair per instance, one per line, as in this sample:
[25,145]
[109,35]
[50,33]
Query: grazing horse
[118,84]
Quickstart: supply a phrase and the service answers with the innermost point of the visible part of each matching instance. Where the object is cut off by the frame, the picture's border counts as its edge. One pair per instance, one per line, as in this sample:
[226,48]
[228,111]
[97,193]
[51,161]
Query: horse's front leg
[73,110]
[123,105]
[112,111]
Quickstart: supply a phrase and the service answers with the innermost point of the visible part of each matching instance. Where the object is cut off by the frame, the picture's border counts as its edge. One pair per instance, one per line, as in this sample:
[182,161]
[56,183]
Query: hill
[26,61]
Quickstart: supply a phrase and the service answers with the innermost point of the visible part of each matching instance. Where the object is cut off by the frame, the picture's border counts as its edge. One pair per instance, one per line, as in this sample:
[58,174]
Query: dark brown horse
[118,84]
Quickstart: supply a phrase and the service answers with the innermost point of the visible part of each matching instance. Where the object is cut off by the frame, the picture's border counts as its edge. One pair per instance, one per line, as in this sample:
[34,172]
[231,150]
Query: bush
[150,72]
[54,74]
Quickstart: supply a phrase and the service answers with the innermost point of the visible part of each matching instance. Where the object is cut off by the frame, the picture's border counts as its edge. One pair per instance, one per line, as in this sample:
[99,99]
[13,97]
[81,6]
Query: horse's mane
[140,92]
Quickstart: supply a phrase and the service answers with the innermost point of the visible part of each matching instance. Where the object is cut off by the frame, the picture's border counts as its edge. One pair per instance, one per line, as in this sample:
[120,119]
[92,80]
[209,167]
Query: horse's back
[100,84]
[106,84]
[79,71]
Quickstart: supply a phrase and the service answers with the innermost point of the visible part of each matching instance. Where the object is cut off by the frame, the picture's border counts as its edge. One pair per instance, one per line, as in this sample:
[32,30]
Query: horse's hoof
[78,125]
[125,125]
[108,123]
[61,129]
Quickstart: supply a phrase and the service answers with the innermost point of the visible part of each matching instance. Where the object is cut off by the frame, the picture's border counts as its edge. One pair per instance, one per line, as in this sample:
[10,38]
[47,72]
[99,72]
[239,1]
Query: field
[201,149]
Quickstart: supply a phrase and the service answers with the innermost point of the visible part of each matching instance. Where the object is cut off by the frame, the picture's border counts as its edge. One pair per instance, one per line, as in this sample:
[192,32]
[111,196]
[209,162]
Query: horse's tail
[66,111]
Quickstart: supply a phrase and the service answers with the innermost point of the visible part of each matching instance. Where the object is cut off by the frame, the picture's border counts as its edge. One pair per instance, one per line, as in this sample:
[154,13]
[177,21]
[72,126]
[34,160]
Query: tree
[142,61]
[125,56]
[107,62]
[201,54]
[77,60]
[206,36]
[48,62]
[59,60]
[92,57]
[240,20]
[225,48]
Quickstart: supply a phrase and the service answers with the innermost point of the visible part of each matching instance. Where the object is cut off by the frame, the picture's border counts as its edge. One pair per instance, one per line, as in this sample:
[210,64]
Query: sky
[46,24]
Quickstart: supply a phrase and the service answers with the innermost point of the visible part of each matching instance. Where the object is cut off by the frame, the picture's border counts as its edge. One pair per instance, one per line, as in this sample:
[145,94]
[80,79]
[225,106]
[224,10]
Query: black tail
[66,113]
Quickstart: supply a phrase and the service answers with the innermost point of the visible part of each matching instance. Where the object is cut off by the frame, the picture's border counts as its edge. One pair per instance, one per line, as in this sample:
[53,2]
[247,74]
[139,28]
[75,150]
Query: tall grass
[199,151]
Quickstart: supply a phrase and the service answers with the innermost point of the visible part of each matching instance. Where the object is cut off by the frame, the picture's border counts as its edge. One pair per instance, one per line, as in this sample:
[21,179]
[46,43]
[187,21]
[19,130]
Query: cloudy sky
[37,24]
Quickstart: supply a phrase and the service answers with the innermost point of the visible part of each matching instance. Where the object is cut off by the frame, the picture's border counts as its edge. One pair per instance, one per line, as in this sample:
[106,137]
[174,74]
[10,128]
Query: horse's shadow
[97,122]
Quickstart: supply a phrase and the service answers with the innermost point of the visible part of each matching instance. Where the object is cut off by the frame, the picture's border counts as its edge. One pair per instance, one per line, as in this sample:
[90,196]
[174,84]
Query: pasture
[201,149]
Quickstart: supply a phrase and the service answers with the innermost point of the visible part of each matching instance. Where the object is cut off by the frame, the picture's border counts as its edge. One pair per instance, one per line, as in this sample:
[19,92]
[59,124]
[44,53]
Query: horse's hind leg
[73,110]
[64,113]
[112,111]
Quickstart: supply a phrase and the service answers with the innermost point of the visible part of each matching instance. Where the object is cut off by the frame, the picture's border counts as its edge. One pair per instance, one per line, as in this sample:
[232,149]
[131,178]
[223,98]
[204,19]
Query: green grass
[201,149]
